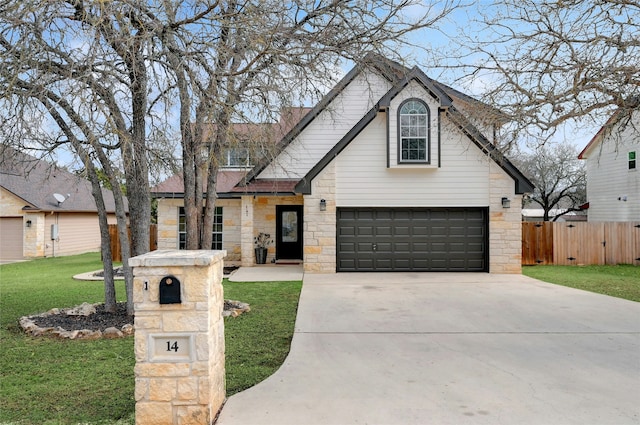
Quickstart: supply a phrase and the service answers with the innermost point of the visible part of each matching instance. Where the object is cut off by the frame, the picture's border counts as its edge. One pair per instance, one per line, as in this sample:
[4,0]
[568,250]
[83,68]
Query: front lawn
[622,281]
[50,381]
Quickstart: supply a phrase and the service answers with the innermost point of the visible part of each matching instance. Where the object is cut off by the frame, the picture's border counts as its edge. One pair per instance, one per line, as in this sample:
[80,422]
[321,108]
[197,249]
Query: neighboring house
[613,169]
[391,171]
[537,214]
[33,222]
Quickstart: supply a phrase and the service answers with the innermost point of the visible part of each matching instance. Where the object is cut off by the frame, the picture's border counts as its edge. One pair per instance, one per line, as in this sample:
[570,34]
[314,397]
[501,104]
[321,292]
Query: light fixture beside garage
[28,223]
[323,204]
[506,202]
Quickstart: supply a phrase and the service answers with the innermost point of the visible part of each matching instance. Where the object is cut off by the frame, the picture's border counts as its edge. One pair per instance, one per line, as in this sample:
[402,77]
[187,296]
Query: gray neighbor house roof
[35,181]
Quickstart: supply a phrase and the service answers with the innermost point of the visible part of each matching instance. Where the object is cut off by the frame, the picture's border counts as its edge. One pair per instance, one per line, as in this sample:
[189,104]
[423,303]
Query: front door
[289,232]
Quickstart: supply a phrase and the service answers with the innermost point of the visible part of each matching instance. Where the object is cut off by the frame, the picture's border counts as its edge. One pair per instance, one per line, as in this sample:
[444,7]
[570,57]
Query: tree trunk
[105,237]
[105,241]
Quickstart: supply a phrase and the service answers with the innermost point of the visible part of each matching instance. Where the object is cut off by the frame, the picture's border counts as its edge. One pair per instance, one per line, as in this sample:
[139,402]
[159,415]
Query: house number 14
[171,348]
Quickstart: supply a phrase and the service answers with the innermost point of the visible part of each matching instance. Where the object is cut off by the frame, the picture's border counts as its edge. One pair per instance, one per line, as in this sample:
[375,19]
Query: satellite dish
[59,198]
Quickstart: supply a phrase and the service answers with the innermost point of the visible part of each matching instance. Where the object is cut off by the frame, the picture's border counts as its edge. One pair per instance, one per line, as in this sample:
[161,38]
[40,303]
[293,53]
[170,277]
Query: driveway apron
[442,348]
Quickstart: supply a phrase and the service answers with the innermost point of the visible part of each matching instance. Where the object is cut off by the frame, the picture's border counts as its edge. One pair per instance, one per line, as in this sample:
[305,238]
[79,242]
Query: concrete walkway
[451,349]
[268,273]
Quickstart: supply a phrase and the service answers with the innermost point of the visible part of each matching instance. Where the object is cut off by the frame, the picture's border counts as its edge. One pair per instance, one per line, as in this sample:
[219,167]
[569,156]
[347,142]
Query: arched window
[413,132]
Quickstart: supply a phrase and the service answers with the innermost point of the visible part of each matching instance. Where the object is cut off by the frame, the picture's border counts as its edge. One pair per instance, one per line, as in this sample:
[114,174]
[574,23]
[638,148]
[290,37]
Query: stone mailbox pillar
[179,342]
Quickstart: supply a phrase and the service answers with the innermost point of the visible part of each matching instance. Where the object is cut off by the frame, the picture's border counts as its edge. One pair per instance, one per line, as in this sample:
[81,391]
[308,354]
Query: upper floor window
[632,160]
[236,158]
[413,129]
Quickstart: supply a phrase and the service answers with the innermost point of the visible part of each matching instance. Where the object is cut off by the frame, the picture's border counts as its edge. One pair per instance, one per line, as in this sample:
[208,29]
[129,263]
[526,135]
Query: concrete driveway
[423,348]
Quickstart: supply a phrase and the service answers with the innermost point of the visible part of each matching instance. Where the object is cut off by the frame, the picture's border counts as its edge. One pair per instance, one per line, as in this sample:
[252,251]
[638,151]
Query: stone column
[505,224]
[179,346]
[246,232]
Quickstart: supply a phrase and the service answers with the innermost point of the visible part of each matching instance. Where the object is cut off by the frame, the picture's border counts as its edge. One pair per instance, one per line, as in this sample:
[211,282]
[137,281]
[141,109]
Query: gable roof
[523,184]
[394,73]
[35,181]
[399,76]
[605,130]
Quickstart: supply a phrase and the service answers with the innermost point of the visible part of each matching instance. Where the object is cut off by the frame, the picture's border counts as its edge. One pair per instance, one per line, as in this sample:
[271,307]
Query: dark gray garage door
[412,239]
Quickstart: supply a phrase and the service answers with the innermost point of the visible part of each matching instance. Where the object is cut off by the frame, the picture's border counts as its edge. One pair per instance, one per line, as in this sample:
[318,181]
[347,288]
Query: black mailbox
[170,290]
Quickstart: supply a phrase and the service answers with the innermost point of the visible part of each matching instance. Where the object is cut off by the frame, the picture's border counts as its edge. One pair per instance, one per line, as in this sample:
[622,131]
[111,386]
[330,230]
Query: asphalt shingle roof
[35,181]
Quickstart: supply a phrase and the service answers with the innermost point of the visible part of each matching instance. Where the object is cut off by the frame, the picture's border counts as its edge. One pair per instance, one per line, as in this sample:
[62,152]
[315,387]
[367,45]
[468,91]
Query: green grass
[258,342]
[622,281]
[50,381]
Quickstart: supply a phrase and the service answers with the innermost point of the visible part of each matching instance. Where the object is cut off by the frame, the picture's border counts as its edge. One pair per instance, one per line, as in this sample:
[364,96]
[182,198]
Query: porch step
[290,262]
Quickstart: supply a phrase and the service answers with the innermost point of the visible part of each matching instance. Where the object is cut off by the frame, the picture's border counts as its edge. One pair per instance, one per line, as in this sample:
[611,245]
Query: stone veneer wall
[10,205]
[505,224]
[320,226]
[34,237]
[168,225]
[264,217]
[186,386]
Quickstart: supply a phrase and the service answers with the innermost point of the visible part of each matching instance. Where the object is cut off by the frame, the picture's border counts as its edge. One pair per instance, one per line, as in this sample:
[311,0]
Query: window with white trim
[413,132]
[236,158]
[632,160]
[216,231]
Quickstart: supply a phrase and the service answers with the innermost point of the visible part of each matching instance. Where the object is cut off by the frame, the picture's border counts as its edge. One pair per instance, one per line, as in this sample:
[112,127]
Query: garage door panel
[348,231]
[11,244]
[402,247]
[384,231]
[400,215]
[439,231]
[420,246]
[347,247]
[420,231]
[364,231]
[366,263]
[364,215]
[413,239]
[364,246]
[384,250]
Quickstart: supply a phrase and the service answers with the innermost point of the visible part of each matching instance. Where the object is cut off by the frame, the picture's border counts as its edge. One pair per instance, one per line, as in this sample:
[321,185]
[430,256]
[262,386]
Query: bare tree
[550,62]
[559,177]
[81,66]
[105,75]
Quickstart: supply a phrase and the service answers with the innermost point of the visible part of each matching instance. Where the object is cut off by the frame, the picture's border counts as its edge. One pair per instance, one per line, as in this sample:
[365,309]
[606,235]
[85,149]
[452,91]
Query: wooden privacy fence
[115,240]
[584,243]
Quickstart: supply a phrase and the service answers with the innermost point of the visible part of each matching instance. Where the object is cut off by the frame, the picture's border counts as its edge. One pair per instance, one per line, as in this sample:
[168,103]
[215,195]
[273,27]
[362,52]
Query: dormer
[413,128]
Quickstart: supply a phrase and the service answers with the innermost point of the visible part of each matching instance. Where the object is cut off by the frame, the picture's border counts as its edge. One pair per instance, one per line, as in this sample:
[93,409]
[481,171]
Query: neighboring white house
[33,222]
[391,171]
[613,169]
[537,214]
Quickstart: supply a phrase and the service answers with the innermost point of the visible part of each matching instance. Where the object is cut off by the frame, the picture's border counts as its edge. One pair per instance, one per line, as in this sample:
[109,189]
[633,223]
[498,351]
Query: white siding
[362,178]
[609,179]
[328,128]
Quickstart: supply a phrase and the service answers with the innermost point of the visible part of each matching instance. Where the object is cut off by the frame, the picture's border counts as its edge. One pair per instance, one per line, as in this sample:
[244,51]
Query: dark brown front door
[289,232]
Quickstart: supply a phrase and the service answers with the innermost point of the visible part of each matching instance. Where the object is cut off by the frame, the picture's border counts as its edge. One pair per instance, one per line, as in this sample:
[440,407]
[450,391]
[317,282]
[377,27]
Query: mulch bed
[100,320]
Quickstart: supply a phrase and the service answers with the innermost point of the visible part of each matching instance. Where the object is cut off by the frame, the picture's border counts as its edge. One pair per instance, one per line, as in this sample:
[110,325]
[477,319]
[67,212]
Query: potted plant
[262,242]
